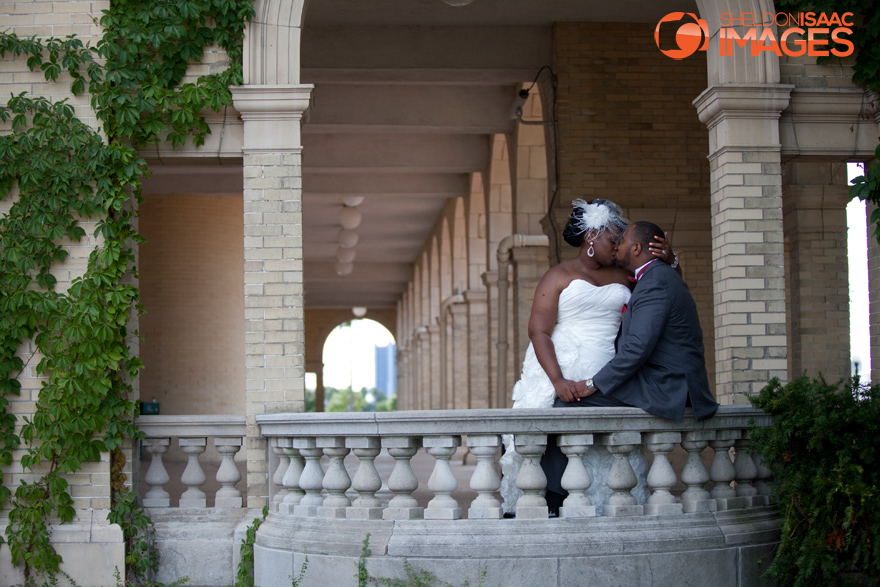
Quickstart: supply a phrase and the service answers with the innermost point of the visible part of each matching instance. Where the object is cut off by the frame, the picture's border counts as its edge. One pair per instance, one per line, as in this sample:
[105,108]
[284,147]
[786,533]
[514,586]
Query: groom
[660,364]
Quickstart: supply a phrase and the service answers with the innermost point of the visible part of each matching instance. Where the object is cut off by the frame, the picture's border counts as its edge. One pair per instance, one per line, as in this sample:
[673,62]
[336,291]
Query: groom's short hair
[643,232]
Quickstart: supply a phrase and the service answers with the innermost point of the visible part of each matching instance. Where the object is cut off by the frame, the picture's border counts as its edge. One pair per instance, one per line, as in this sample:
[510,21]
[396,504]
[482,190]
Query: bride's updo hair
[589,220]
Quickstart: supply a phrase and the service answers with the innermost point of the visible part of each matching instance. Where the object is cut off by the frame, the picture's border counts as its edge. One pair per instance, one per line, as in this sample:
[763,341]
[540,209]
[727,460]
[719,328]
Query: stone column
[403,367]
[874,292]
[747,243]
[814,202]
[490,281]
[459,391]
[273,280]
[531,264]
[423,394]
[433,388]
[317,367]
[478,345]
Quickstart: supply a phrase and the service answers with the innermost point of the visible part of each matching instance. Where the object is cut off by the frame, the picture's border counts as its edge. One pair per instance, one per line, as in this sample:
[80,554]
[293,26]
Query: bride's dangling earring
[590,251]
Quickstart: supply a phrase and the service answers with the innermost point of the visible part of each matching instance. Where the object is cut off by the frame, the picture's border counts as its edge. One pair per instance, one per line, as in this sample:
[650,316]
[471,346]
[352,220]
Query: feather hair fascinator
[590,217]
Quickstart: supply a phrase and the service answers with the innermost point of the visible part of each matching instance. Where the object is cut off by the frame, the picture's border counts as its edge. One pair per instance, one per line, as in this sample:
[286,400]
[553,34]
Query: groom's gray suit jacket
[660,361]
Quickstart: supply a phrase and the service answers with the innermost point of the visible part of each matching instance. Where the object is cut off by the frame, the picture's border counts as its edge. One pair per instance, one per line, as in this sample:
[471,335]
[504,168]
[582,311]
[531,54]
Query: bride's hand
[661,249]
[566,390]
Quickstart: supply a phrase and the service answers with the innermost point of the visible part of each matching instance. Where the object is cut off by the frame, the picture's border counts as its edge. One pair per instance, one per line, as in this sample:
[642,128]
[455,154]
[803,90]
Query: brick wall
[193,329]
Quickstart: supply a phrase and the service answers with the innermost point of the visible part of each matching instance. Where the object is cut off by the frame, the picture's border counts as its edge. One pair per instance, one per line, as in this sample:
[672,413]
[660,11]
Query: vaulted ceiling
[408,95]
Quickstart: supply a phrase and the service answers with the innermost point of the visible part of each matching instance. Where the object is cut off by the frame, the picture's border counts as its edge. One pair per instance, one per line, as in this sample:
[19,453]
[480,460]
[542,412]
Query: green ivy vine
[58,173]
[866,73]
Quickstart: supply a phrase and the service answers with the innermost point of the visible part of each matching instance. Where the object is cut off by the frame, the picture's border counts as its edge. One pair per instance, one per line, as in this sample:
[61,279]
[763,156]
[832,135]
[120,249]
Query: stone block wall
[191,288]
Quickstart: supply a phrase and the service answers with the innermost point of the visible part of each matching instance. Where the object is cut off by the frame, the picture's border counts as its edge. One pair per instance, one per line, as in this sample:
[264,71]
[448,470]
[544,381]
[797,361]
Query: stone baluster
[228,496]
[485,480]
[661,477]
[722,473]
[402,482]
[291,477]
[312,479]
[336,479]
[745,469]
[695,475]
[157,477]
[762,475]
[531,479]
[442,482]
[366,480]
[576,480]
[193,476]
[622,479]
[280,470]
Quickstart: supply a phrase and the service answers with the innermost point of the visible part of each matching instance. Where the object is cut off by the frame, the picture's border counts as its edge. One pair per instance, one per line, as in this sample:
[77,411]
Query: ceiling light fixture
[359,311]
[458,2]
[349,217]
[347,237]
[344,268]
[344,255]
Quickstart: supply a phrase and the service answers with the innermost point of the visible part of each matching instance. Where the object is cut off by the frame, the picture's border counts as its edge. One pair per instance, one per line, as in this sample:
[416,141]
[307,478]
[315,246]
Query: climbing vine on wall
[57,174]
[866,73]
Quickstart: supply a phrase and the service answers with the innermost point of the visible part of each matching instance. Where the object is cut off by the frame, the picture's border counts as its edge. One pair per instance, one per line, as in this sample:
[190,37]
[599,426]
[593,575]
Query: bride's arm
[541,323]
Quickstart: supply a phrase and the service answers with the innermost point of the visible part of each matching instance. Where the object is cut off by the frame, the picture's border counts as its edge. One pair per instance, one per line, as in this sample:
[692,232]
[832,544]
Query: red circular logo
[691,36]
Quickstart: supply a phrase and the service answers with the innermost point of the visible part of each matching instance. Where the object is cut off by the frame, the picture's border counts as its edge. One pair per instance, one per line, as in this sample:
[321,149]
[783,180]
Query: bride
[574,321]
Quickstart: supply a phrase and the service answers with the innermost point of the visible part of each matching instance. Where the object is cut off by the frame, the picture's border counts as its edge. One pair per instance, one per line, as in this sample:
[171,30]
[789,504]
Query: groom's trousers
[554,461]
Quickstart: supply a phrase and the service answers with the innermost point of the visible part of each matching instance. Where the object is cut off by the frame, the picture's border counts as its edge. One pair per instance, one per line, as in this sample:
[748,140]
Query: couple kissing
[614,326]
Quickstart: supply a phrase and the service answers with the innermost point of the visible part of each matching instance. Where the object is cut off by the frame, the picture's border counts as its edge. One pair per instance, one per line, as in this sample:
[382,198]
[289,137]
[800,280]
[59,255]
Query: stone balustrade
[305,489]
[192,434]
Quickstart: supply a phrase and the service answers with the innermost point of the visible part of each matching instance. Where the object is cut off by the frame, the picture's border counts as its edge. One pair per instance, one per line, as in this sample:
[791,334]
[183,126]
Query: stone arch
[529,161]
[499,199]
[740,67]
[458,236]
[434,280]
[445,252]
[272,43]
[475,221]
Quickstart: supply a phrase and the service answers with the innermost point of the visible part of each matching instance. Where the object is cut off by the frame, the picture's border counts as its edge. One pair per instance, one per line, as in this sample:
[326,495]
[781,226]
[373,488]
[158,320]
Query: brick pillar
[458,389]
[747,243]
[874,293]
[818,301]
[478,344]
[273,279]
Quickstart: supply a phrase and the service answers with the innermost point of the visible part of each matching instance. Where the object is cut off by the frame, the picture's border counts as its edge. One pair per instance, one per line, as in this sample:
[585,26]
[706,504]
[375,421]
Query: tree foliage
[822,449]
[58,174]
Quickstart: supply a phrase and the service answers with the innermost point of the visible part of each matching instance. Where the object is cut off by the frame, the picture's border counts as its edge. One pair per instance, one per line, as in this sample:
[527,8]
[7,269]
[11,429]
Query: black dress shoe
[554,502]
[509,515]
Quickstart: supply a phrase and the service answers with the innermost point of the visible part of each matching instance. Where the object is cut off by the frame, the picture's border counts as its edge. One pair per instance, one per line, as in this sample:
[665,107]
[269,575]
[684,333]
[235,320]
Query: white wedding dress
[587,322]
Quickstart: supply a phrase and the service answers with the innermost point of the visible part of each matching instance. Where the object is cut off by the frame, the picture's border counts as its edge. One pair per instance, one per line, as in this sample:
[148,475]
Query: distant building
[386,369]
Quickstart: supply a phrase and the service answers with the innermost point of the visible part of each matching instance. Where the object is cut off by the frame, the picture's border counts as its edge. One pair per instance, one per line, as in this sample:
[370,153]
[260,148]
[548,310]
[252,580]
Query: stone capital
[490,279]
[743,116]
[476,296]
[272,116]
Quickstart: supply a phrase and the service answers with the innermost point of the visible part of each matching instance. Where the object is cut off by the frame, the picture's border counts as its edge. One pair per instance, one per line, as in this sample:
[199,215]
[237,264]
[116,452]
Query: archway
[359,369]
